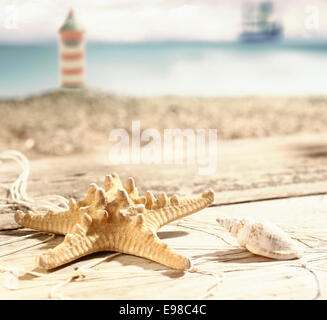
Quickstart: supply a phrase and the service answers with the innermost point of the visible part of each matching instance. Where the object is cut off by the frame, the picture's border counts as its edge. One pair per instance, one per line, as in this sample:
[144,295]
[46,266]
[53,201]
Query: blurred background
[249,68]
[192,47]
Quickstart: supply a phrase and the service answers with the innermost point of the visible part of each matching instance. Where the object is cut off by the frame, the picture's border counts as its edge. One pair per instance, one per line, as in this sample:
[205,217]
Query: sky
[152,20]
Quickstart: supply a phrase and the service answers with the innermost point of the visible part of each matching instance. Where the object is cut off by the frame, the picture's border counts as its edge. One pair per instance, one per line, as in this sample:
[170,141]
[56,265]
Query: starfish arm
[74,246]
[177,209]
[117,219]
[147,245]
[55,222]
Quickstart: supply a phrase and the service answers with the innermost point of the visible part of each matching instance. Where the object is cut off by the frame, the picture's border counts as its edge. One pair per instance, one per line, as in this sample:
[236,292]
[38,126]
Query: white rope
[13,273]
[18,190]
[79,273]
[20,238]
[218,278]
[7,253]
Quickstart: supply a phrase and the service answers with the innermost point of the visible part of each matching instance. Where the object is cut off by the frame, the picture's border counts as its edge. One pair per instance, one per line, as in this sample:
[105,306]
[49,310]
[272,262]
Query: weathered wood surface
[241,275]
[248,170]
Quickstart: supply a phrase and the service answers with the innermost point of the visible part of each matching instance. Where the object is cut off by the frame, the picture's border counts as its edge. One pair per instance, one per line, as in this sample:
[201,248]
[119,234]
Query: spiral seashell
[263,238]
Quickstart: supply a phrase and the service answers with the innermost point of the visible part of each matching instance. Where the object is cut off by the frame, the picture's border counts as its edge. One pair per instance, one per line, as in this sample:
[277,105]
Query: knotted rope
[17,192]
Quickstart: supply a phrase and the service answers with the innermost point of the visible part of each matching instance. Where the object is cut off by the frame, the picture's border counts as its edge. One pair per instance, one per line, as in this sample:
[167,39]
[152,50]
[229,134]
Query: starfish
[115,218]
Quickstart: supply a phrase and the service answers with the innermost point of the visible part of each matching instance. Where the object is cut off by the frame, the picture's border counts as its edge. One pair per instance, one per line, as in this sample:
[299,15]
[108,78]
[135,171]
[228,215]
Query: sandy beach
[68,122]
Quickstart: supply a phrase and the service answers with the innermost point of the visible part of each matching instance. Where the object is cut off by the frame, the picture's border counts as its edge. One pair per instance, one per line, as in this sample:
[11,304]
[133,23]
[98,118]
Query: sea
[207,69]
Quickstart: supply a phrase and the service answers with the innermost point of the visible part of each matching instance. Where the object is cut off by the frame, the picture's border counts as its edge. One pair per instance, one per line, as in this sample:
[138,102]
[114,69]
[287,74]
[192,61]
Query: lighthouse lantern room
[71,53]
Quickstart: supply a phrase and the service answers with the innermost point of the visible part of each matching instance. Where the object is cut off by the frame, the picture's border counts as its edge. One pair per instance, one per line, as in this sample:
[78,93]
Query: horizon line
[163,41]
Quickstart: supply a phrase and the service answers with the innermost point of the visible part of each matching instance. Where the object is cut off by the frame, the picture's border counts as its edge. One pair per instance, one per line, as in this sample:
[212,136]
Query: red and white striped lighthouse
[71,53]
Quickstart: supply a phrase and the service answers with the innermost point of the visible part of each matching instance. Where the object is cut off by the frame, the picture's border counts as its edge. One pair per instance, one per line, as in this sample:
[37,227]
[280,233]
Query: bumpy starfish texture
[117,219]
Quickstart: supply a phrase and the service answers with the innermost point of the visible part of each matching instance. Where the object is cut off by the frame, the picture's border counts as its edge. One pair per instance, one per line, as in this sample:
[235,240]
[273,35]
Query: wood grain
[216,254]
[248,170]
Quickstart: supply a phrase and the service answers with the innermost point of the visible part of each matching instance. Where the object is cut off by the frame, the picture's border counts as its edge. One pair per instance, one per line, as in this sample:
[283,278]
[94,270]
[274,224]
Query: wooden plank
[241,275]
[248,170]
[242,165]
